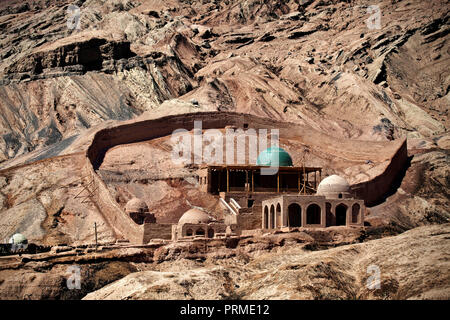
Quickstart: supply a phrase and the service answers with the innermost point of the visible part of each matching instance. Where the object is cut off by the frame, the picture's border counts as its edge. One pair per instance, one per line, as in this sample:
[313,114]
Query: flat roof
[257,167]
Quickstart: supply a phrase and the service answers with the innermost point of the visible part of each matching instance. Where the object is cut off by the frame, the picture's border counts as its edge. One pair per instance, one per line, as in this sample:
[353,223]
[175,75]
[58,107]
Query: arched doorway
[341,215]
[313,214]
[189,232]
[266,218]
[294,215]
[272,217]
[210,233]
[200,232]
[329,215]
[355,212]
[278,215]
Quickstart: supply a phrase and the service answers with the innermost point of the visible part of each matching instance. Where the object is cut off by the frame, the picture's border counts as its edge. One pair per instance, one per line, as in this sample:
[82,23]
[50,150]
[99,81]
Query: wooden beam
[247,187]
[278,182]
[306,182]
[315,180]
[253,181]
[228,180]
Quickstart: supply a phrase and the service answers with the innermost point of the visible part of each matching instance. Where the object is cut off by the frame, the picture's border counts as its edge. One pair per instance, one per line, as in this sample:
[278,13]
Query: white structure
[332,205]
[196,223]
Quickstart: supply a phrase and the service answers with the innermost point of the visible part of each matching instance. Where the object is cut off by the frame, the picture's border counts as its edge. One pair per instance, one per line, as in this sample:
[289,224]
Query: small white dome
[18,238]
[334,186]
[136,205]
[194,216]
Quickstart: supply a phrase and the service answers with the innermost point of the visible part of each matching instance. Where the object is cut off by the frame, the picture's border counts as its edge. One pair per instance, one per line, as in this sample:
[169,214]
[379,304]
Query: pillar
[306,182]
[228,180]
[315,180]
[247,186]
[348,216]
[303,214]
[274,217]
[278,181]
[323,215]
[253,181]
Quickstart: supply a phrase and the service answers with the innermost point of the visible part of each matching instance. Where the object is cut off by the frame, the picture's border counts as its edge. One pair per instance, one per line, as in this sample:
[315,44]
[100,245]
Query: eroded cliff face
[314,62]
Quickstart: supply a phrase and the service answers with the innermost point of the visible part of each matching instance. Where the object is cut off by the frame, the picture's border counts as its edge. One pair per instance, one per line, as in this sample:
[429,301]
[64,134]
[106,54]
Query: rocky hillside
[298,265]
[291,272]
[315,62]
[328,64]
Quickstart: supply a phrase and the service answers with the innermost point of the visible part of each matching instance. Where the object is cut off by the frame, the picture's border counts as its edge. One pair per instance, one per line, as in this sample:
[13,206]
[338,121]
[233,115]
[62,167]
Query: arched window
[294,215]
[266,218]
[210,233]
[189,232]
[313,214]
[355,212]
[341,215]
[272,217]
[329,215]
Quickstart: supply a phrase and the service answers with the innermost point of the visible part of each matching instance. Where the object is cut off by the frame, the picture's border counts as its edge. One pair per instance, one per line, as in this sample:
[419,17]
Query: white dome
[18,238]
[334,186]
[194,216]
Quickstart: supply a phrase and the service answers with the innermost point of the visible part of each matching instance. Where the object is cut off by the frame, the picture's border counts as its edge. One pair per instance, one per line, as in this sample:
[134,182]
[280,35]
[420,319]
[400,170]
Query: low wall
[156,231]
[374,191]
[248,221]
[155,128]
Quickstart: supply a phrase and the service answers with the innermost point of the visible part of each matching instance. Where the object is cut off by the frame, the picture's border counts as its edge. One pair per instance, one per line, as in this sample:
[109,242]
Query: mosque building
[254,202]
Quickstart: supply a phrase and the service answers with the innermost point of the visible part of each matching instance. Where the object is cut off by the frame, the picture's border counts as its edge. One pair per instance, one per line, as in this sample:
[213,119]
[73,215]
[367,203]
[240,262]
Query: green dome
[275,157]
[18,239]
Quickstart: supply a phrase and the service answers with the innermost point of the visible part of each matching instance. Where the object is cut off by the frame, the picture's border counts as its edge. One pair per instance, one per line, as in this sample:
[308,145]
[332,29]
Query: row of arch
[200,232]
[313,215]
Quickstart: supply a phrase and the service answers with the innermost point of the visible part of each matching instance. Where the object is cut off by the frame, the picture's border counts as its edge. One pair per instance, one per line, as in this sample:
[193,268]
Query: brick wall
[157,231]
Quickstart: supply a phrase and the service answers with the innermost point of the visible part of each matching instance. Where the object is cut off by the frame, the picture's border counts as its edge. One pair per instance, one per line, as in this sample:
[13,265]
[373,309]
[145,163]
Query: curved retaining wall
[132,131]
[156,128]
[373,191]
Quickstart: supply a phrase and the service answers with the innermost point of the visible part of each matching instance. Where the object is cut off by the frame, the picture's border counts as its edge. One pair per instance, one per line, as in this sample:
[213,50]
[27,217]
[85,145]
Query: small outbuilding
[332,205]
[138,210]
[196,223]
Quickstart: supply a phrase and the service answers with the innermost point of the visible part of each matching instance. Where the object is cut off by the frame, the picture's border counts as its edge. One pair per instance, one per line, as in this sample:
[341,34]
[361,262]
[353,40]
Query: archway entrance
[266,218]
[341,215]
[329,215]
[272,217]
[313,214]
[294,215]
[278,216]
[355,213]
